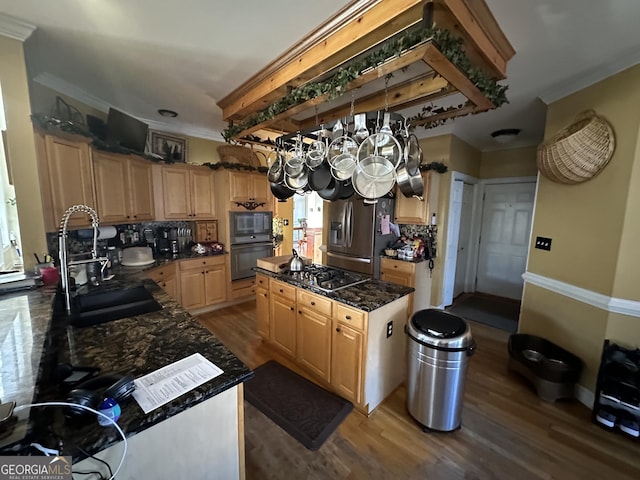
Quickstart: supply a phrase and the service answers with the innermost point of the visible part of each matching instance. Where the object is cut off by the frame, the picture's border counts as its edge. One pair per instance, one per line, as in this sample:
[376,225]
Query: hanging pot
[275,174]
[281,192]
[409,185]
[333,191]
[320,178]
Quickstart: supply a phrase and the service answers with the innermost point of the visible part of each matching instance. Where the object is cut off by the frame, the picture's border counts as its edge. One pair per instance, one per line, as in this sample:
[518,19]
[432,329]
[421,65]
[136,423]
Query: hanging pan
[281,192]
[320,178]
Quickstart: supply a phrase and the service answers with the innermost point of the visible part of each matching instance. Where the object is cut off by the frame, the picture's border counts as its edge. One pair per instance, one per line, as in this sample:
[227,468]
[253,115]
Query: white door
[504,238]
[463,239]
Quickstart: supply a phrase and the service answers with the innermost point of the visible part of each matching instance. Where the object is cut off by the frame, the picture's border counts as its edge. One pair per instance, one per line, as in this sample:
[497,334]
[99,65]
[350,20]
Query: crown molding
[591,76]
[70,90]
[73,91]
[15,28]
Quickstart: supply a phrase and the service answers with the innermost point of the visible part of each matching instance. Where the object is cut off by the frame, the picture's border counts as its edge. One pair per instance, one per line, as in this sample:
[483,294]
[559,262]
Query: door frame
[453,219]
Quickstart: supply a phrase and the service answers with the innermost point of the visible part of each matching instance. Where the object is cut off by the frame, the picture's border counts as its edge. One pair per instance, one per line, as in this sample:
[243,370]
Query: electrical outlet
[389,329]
[285,222]
[543,243]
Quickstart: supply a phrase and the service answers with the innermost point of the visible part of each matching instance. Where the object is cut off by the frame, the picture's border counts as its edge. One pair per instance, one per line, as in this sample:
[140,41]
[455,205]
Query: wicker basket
[238,154]
[579,152]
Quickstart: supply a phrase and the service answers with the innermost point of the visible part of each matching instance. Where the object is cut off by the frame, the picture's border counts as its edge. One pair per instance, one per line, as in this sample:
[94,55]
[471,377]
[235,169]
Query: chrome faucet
[62,253]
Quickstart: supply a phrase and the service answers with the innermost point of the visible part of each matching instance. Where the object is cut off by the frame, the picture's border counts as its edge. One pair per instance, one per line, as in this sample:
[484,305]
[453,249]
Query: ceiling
[185,56]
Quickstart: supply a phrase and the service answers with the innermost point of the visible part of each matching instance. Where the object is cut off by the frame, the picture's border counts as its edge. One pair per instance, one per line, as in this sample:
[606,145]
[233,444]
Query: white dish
[139,263]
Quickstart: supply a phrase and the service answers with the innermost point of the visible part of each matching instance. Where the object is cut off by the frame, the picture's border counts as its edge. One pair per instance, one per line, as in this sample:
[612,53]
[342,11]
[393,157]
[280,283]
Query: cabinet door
[203,202]
[170,285]
[283,324]
[176,185]
[112,192]
[314,342]
[140,190]
[216,285]
[413,210]
[70,178]
[260,188]
[397,277]
[346,362]
[239,186]
[192,288]
[262,312]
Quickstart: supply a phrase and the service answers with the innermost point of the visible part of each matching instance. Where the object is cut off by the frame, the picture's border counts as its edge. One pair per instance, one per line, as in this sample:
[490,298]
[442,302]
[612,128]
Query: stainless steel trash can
[438,351]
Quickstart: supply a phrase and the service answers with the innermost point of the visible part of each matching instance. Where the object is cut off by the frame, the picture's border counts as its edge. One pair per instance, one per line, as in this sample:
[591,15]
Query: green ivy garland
[451,47]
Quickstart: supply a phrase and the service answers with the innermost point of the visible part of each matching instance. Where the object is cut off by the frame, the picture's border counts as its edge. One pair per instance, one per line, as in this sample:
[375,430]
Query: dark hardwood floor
[507,431]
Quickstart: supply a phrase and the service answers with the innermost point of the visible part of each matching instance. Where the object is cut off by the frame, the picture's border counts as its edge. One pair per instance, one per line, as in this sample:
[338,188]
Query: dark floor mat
[307,412]
[494,312]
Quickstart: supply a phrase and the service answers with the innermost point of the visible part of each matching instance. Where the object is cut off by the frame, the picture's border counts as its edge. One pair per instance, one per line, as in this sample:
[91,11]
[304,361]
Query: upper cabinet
[249,187]
[66,178]
[414,210]
[124,188]
[184,192]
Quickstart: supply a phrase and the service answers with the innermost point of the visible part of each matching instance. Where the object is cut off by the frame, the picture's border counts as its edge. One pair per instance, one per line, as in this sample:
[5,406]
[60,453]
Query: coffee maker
[163,240]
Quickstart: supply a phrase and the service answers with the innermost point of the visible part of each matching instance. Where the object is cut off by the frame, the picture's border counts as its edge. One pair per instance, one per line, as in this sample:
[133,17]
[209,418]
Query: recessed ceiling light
[167,113]
[505,135]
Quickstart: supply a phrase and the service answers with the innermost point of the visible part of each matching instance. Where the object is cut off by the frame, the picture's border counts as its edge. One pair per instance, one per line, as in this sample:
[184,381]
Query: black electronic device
[94,390]
[126,131]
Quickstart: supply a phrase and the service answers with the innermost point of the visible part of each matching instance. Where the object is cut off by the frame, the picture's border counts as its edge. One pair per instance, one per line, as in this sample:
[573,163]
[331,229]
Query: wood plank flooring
[507,431]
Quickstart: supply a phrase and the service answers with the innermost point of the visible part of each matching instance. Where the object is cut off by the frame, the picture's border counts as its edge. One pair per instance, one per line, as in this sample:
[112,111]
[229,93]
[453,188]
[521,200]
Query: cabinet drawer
[283,289]
[163,273]
[350,316]
[314,302]
[243,288]
[262,281]
[397,266]
[202,262]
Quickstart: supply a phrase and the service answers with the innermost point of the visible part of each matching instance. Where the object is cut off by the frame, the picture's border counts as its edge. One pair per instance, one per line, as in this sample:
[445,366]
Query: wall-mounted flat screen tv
[126,131]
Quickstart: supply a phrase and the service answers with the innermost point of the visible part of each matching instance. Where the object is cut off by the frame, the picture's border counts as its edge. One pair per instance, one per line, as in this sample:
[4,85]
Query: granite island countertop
[137,345]
[367,296]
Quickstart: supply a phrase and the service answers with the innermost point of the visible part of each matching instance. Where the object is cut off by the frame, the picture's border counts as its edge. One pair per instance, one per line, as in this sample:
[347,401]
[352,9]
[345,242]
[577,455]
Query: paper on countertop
[384,225]
[168,383]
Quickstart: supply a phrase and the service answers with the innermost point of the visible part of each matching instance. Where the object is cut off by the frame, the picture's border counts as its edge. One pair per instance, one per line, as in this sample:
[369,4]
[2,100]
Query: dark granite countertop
[137,345]
[366,296]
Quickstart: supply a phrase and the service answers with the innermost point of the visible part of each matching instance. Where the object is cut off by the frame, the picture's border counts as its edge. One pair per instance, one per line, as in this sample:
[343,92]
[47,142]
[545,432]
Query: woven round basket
[238,154]
[579,152]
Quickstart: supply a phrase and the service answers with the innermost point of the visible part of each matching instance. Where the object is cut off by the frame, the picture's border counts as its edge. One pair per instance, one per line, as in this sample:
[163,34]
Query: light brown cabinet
[409,274]
[262,306]
[66,178]
[314,333]
[347,361]
[414,210]
[184,192]
[202,282]
[207,231]
[124,188]
[249,187]
[282,313]
[166,277]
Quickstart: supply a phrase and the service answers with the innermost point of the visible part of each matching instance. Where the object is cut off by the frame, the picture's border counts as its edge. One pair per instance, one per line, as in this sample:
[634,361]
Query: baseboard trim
[585,396]
[604,302]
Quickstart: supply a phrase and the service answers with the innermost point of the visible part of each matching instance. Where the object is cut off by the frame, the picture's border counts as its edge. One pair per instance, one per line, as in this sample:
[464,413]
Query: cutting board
[279,263]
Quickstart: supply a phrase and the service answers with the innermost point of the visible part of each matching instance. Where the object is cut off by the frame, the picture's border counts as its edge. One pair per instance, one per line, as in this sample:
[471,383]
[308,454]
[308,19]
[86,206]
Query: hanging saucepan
[347,190]
[275,174]
[321,177]
[373,178]
[409,176]
[333,191]
[298,182]
[381,145]
[316,152]
[281,192]
[342,157]
[413,155]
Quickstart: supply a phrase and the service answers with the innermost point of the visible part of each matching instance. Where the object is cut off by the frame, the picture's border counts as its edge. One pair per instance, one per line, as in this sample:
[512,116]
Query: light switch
[543,243]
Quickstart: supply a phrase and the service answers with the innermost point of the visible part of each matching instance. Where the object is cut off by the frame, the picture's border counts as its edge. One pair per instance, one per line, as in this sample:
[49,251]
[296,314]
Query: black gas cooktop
[327,279]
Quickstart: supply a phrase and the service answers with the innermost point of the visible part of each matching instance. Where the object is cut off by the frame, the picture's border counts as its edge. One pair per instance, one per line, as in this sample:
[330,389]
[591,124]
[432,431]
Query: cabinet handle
[299,311]
[291,308]
[395,266]
[338,329]
[160,273]
[281,291]
[313,303]
[348,317]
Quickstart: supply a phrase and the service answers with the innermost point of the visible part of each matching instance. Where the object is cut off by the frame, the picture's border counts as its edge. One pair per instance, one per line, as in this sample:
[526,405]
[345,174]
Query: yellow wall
[516,162]
[21,149]
[43,99]
[200,150]
[595,229]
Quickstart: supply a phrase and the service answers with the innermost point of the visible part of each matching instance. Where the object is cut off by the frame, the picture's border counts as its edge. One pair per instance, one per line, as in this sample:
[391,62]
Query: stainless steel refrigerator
[355,234]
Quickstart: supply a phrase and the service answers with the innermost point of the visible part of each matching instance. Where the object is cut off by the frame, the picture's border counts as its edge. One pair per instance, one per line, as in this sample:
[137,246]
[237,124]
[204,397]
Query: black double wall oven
[250,240]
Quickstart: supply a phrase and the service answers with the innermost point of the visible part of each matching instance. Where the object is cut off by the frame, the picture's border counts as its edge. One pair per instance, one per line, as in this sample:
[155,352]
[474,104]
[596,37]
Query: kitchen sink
[108,305]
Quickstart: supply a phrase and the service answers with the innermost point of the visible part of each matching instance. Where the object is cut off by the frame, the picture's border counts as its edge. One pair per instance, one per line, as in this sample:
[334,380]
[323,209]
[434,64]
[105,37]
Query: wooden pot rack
[421,74]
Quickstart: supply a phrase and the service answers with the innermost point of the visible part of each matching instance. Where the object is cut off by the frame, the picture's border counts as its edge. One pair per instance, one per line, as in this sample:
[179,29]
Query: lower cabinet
[166,277]
[409,274]
[202,282]
[282,312]
[314,326]
[262,312]
[346,353]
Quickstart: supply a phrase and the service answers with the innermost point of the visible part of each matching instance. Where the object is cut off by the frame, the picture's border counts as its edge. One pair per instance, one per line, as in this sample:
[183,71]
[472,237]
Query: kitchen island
[350,340]
[189,437]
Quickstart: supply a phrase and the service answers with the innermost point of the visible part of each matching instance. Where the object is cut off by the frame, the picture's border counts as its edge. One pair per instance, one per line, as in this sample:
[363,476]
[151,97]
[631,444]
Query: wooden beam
[383,20]
[441,64]
[420,88]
